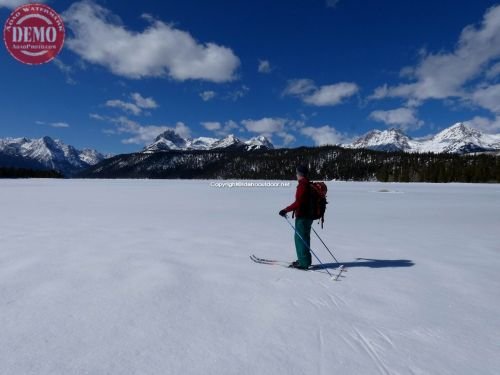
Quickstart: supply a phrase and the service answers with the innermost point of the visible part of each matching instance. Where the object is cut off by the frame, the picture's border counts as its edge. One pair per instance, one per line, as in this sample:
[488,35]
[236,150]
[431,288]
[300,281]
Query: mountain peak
[394,131]
[388,140]
[259,142]
[459,126]
[231,137]
[458,131]
[229,141]
[48,140]
[172,136]
[463,128]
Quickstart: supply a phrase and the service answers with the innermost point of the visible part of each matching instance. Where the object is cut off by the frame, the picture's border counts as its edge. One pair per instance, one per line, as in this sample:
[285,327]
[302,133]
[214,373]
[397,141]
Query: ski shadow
[370,263]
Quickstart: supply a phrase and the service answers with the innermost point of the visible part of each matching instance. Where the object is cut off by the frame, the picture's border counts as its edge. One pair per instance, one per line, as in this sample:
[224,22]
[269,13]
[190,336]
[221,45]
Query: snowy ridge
[51,153]
[228,142]
[170,140]
[387,140]
[257,143]
[458,138]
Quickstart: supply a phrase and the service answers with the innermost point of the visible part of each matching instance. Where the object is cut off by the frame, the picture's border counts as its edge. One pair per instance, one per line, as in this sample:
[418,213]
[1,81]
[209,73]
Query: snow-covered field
[153,277]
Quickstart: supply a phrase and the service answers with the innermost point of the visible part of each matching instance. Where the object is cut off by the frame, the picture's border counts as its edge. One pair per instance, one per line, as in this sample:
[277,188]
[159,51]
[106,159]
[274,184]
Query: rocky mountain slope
[46,153]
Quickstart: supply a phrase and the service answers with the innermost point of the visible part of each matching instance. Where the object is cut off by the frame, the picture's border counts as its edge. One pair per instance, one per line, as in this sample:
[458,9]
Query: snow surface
[153,277]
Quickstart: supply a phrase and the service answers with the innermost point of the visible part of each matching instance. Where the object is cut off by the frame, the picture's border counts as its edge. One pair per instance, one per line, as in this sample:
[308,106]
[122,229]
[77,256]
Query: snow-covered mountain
[47,153]
[458,138]
[386,140]
[228,142]
[257,143]
[461,138]
[170,140]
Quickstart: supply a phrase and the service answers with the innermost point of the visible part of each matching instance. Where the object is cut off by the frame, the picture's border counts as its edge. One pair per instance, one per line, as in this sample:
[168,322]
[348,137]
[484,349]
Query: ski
[273,262]
[270,261]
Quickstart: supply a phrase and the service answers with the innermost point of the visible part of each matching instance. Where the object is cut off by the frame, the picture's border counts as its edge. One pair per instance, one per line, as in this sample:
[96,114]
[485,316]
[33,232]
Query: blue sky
[302,72]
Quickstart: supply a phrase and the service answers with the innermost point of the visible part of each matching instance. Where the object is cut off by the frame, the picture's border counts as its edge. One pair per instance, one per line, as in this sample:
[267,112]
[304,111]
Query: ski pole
[305,243]
[316,233]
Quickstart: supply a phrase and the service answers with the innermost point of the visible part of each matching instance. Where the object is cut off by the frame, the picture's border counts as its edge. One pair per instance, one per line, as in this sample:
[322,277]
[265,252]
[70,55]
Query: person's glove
[283,213]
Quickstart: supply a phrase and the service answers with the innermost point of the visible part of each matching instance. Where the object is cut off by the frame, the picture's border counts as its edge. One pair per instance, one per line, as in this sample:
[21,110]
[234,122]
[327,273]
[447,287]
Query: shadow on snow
[370,263]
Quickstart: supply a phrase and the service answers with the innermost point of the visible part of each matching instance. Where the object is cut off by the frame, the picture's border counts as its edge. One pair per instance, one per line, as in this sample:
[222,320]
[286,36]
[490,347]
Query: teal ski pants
[303,228]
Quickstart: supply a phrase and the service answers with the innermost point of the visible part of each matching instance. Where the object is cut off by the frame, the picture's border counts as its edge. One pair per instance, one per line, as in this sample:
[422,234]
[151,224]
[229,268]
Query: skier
[302,208]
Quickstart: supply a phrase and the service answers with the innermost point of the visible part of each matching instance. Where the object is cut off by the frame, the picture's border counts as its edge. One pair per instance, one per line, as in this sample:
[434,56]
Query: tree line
[325,163]
[28,173]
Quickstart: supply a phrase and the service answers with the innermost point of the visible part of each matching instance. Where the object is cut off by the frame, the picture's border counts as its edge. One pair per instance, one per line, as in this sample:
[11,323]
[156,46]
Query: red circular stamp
[34,34]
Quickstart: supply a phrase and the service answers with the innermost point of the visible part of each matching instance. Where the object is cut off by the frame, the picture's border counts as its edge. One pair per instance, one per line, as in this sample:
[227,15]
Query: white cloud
[298,87]
[488,97]
[264,66]
[160,50]
[125,106]
[287,138]
[207,95]
[212,125]
[229,126]
[327,95]
[66,69]
[142,102]
[331,95]
[221,129]
[140,134]
[183,130]
[401,117]
[324,135]
[444,75]
[58,124]
[331,3]
[96,116]
[484,124]
[380,92]
[144,135]
[493,71]
[464,73]
[238,93]
[265,125]
[297,124]
[11,4]
[136,107]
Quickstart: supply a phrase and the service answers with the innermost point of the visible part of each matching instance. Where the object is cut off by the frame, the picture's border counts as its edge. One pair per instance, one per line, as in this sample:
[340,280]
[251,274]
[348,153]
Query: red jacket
[302,204]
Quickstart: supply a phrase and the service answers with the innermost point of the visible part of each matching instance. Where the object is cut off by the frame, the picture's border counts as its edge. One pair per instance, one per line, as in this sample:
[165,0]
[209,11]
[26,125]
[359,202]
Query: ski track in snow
[153,277]
[369,348]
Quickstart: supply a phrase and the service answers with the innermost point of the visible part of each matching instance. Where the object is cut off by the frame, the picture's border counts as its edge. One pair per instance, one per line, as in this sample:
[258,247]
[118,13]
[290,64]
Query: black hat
[302,170]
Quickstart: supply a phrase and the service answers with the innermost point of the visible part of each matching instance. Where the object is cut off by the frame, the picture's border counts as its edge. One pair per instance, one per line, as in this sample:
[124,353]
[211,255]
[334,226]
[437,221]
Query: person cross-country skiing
[302,207]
